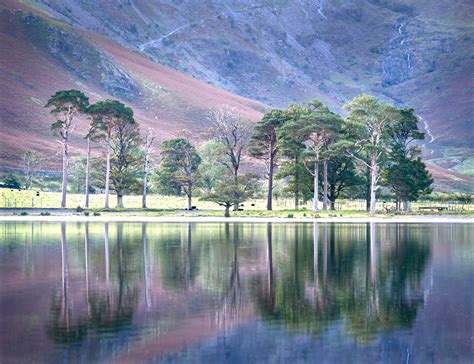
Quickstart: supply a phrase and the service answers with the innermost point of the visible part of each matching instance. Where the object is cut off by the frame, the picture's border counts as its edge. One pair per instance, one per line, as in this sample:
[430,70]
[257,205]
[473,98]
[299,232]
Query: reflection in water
[141,292]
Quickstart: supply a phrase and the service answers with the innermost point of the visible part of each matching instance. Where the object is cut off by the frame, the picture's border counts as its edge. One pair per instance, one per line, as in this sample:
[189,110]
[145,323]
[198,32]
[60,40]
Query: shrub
[45,213]
[290,216]
[79,209]
[23,213]
[86,213]
[96,213]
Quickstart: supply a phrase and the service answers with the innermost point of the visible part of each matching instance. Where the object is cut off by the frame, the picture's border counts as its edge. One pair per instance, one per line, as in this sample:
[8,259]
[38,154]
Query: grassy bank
[174,206]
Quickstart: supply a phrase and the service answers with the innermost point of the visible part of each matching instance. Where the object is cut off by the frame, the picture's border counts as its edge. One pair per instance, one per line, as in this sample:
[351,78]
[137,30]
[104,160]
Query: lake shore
[433,219]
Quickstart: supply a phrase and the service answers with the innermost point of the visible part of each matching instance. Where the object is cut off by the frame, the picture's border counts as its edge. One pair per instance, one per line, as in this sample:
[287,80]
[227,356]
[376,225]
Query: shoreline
[434,219]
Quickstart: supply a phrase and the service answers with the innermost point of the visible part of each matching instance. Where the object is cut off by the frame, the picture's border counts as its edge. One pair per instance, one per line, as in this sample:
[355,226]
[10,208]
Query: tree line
[313,152]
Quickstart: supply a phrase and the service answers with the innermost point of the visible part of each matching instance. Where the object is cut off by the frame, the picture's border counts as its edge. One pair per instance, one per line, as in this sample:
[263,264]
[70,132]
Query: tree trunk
[190,198]
[270,183]
[236,199]
[227,212]
[145,181]
[316,187]
[120,199]
[88,161]
[406,205]
[325,184]
[107,175]
[373,184]
[367,189]
[65,165]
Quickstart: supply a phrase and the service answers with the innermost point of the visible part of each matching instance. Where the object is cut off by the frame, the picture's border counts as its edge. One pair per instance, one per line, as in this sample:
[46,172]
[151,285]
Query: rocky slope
[41,55]
[410,52]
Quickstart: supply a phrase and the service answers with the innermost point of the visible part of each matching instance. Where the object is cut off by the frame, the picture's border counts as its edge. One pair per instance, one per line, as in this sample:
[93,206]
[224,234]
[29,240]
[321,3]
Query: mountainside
[40,56]
[411,53]
[416,53]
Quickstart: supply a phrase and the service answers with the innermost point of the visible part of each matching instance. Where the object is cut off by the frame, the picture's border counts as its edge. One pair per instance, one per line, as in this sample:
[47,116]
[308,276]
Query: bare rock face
[80,57]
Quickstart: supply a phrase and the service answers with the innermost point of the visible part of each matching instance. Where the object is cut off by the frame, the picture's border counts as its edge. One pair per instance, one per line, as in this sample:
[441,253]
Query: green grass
[170,205]
[466,167]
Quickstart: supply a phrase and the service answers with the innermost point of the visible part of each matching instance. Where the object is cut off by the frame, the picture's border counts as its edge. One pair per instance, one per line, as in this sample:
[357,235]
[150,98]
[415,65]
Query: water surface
[236,292]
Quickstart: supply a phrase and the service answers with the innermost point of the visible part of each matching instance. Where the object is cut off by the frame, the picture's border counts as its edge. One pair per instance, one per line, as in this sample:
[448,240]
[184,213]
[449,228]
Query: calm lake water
[235,292]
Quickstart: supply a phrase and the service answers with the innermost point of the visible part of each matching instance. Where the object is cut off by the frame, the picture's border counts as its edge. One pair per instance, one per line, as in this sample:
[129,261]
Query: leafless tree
[234,133]
[31,161]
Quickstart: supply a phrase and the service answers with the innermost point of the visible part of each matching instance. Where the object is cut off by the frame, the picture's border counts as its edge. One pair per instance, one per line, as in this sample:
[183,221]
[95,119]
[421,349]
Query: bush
[11,181]
[23,213]
[45,213]
[96,213]
[290,216]
[86,213]
[79,209]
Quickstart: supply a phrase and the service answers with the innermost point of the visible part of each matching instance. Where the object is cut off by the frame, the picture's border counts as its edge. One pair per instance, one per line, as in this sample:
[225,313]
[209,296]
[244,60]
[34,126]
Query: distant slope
[40,56]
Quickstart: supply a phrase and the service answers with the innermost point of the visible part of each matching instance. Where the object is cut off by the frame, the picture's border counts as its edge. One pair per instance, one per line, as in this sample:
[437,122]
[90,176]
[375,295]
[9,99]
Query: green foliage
[263,142]
[179,165]
[67,103]
[230,188]
[11,181]
[210,170]
[106,115]
[64,101]
[406,174]
[126,158]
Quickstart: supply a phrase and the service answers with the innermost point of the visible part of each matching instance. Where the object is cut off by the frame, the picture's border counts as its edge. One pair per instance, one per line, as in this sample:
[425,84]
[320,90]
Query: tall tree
[315,127]
[107,115]
[126,159]
[292,150]
[264,144]
[406,174]
[370,121]
[179,163]
[341,175]
[234,133]
[66,104]
[148,149]
[94,134]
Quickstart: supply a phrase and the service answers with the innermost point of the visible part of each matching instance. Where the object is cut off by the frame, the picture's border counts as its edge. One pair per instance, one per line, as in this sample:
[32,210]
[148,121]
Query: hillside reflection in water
[134,292]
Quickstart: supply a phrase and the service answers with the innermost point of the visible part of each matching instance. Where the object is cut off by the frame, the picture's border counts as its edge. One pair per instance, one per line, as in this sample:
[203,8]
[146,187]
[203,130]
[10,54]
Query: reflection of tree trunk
[325,255]
[271,290]
[119,263]
[64,274]
[373,268]
[86,259]
[188,256]
[107,260]
[235,277]
[317,295]
[146,268]
[373,254]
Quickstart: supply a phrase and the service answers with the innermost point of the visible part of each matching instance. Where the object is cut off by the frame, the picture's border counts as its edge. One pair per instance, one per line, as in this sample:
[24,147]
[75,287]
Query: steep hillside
[40,55]
[275,51]
[415,53]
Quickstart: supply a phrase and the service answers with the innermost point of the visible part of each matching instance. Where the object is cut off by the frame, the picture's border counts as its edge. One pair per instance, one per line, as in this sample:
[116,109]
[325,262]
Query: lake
[236,292]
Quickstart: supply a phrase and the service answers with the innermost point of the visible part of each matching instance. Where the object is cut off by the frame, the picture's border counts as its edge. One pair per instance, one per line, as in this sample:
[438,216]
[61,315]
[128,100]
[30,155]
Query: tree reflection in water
[298,276]
[372,293]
